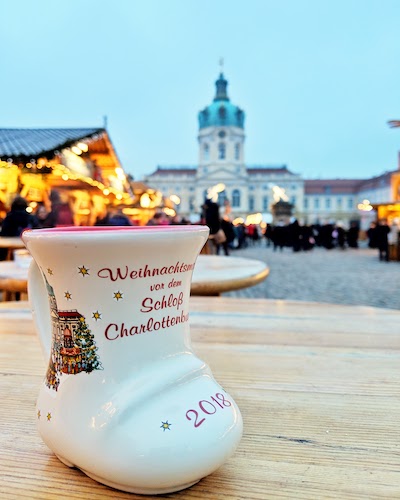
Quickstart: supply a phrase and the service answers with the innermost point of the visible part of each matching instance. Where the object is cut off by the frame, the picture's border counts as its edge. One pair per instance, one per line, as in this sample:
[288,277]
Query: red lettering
[106,272]
[147,308]
[148,304]
[108,328]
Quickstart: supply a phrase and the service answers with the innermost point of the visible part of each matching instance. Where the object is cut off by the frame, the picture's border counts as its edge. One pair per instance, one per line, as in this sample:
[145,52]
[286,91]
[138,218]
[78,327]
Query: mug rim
[83,231]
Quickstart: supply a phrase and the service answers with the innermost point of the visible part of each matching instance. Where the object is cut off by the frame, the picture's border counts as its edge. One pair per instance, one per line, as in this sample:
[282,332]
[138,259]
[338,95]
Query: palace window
[206,152]
[316,202]
[350,203]
[265,203]
[237,151]
[222,197]
[327,203]
[236,198]
[305,202]
[221,151]
[251,203]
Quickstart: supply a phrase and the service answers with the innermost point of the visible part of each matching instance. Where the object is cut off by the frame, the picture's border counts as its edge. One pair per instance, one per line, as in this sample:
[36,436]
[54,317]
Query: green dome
[221,112]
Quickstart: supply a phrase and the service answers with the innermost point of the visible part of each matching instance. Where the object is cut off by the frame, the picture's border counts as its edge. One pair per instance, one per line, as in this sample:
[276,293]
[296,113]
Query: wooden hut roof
[40,142]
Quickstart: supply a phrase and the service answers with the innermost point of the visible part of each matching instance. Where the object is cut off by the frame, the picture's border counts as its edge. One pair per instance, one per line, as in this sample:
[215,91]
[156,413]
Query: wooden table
[13,280]
[318,387]
[11,243]
[213,274]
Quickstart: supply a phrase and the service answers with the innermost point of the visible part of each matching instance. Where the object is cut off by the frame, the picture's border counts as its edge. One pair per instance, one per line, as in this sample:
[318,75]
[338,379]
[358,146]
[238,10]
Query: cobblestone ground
[350,276]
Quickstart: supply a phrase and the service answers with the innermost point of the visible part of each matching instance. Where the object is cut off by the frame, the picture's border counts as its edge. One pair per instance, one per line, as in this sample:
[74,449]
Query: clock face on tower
[222,134]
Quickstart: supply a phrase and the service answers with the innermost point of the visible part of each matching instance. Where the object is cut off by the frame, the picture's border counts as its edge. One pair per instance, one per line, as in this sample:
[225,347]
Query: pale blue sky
[318,80]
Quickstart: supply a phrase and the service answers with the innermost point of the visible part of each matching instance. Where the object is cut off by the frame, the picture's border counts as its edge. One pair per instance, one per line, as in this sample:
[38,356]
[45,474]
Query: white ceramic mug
[125,399]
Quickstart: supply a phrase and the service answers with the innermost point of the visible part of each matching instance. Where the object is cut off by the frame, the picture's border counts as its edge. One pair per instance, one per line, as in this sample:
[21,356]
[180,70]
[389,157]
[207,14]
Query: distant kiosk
[282,212]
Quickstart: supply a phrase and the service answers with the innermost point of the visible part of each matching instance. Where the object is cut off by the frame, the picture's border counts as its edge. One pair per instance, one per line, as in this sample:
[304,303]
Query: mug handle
[40,308]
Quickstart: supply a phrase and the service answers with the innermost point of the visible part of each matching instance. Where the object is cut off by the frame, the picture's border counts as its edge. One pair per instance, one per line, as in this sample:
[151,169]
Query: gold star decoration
[68,295]
[96,315]
[118,295]
[49,416]
[84,271]
[50,271]
[165,425]
[38,414]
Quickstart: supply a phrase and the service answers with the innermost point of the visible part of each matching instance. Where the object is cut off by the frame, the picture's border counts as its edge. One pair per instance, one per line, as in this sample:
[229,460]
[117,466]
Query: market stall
[81,165]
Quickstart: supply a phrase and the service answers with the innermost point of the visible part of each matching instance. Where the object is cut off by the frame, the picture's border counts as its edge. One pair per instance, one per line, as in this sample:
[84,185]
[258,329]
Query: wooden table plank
[317,384]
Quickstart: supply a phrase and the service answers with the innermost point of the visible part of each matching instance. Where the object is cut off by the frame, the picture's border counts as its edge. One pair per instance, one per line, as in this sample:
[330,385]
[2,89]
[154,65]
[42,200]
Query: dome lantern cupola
[221,85]
[221,112]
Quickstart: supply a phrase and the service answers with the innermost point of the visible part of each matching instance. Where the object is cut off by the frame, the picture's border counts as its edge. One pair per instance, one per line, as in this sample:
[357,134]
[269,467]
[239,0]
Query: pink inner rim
[87,229]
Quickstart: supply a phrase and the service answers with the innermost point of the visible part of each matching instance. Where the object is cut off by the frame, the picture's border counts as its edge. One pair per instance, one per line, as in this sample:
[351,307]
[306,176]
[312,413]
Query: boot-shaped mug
[125,399]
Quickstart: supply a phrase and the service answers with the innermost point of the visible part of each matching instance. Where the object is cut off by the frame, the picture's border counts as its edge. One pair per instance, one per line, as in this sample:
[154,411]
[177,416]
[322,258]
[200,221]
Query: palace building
[221,140]
[249,189]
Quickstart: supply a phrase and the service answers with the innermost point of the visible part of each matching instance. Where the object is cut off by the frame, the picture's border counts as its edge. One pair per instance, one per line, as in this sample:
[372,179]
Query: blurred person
[211,216]
[326,236]
[255,235]
[158,219]
[16,221]
[240,233]
[295,236]
[340,235]
[382,233]
[352,235]
[41,215]
[279,236]
[118,218]
[268,234]
[371,235]
[227,228]
[103,220]
[61,214]
[308,240]
[176,220]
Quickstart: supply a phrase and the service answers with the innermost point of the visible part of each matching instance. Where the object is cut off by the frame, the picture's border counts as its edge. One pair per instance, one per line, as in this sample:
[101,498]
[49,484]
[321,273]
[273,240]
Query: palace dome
[221,112]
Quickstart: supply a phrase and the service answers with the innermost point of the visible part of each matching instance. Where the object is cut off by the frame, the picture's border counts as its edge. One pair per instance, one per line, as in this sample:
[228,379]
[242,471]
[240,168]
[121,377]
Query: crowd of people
[224,235]
[19,218]
[306,237]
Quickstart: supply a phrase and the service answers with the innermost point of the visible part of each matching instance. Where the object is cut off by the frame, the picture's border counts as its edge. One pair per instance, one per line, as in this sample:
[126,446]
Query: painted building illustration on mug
[73,347]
